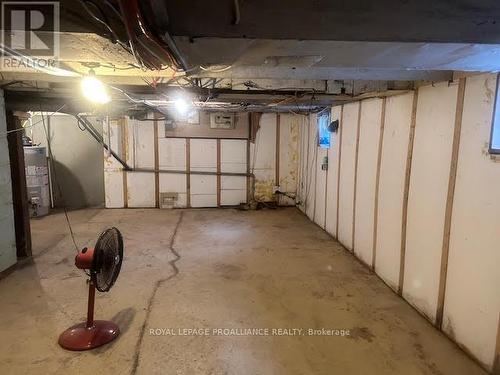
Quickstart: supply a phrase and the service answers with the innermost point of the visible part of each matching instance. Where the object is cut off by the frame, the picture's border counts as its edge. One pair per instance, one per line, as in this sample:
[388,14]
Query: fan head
[104,260]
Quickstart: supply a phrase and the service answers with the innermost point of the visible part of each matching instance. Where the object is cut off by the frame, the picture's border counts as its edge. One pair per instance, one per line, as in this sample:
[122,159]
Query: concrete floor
[263,269]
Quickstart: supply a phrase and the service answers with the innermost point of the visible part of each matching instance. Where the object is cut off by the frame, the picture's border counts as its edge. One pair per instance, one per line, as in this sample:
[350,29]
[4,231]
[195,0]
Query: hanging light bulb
[181,106]
[94,90]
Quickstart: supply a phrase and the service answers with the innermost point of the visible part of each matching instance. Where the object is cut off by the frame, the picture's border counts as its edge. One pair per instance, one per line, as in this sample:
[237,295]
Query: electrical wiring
[129,48]
[103,22]
[254,85]
[95,17]
[145,46]
[215,70]
[137,101]
[112,7]
[32,125]
[111,66]
[237,13]
[147,82]
[151,119]
[132,49]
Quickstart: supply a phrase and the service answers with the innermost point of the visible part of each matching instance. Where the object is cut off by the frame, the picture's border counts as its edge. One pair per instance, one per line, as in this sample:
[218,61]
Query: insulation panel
[332,176]
[347,167]
[430,171]
[391,187]
[472,300]
[369,135]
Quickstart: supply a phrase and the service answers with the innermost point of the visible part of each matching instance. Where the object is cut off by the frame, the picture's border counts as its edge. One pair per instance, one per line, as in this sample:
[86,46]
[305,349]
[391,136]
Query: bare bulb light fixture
[94,90]
[181,106]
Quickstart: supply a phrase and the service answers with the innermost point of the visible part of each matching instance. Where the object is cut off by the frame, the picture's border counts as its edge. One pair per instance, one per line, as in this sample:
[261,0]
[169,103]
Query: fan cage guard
[108,256]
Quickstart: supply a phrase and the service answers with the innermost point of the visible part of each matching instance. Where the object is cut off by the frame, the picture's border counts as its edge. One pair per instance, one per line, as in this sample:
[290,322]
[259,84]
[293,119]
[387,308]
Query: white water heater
[37,180]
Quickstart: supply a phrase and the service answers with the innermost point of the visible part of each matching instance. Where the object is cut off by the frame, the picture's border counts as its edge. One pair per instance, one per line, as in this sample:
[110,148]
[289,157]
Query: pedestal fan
[103,263]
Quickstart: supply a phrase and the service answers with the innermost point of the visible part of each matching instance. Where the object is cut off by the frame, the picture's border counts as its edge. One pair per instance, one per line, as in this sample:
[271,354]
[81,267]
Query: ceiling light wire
[215,70]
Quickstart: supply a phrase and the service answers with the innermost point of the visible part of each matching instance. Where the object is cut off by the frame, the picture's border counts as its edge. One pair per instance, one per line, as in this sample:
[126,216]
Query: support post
[19,189]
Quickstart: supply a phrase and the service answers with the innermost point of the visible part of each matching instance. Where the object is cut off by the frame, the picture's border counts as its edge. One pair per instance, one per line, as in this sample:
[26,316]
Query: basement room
[250,187]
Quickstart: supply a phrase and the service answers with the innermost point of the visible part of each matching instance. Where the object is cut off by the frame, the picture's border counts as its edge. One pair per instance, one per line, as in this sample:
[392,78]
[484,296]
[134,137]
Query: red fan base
[90,334]
[81,337]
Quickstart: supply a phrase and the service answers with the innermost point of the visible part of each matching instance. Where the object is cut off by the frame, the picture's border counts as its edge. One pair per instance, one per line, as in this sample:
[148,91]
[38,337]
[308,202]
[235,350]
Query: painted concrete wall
[135,142]
[78,160]
[7,232]
[468,271]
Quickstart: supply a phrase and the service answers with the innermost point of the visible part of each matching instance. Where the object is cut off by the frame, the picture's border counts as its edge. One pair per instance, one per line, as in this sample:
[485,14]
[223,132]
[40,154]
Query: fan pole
[90,307]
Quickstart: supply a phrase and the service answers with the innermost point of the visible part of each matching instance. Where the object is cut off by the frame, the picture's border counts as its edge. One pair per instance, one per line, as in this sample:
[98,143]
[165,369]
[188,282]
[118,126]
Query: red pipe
[134,23]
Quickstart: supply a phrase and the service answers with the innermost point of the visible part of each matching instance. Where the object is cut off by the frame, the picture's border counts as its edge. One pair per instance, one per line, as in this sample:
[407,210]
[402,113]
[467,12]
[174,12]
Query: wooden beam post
[496,360]
[157,161]
[218,173]
[249,135]
[356,175]
[277,158]
[449,201]
[19,188]
[307,164]
[377,182]
[338,169]
[122,122]
[409,157]
[188,173]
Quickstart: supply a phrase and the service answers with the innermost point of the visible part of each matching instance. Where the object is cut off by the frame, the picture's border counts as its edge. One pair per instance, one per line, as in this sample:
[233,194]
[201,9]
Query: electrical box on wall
[221,120]
[324,163]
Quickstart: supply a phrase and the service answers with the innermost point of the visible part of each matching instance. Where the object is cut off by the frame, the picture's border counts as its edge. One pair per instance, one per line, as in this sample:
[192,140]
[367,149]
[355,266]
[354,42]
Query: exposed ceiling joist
[438,21]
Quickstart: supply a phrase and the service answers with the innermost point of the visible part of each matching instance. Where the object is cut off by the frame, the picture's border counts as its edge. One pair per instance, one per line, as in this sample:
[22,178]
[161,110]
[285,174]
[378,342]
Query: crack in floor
[158,284]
